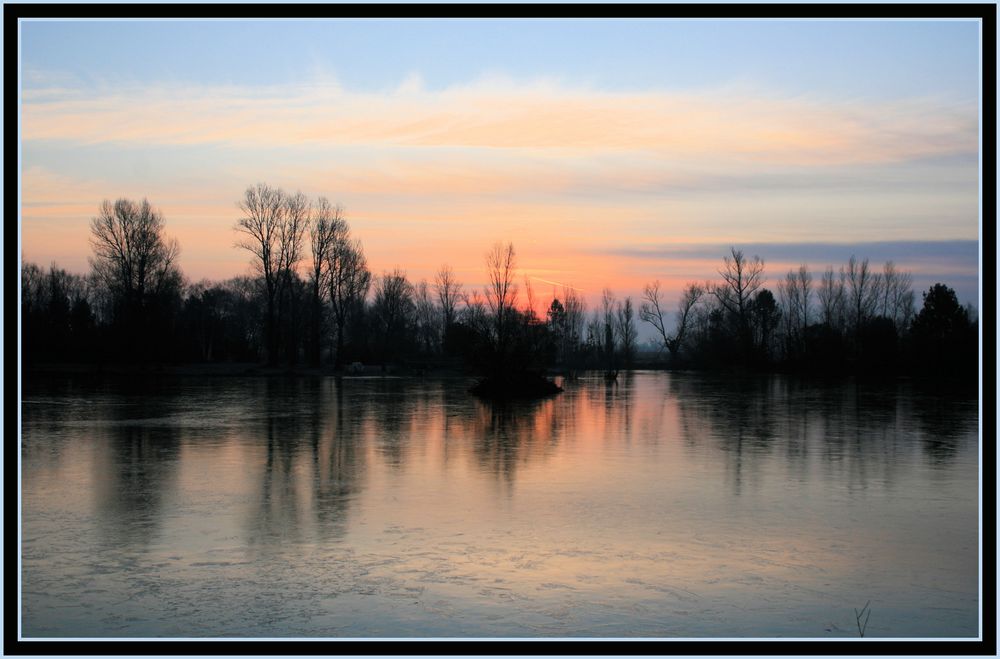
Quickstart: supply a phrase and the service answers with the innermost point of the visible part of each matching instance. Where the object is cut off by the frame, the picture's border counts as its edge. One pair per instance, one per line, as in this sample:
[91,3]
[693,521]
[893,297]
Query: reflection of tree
[278,512]
[47,404]
[455,404]
[389,411]
[506,434]
[136,468]
[311,455]
[733,414]
[946,419]
[338,465]
[859,430]
[609,406]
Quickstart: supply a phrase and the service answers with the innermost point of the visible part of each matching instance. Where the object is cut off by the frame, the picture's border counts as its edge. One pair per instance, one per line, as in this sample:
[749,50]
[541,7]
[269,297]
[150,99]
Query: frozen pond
[667,505]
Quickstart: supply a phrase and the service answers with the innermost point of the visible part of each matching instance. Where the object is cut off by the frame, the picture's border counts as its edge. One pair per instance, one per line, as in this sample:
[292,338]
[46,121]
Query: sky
[610,152]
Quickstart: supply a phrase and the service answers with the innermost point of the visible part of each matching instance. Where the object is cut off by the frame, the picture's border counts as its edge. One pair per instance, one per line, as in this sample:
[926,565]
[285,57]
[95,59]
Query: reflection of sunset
[547,328]
[662,504]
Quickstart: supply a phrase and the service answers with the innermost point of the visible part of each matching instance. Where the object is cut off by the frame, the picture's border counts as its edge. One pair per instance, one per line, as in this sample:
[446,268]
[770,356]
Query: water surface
[666,505]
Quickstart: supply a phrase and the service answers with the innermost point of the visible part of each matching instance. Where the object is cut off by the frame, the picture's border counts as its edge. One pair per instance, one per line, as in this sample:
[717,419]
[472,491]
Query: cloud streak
[739,122]
[590,184]
[961,252]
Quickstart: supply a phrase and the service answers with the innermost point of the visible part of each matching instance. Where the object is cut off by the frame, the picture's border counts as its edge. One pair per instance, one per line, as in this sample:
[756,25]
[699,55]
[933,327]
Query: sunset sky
[610,152]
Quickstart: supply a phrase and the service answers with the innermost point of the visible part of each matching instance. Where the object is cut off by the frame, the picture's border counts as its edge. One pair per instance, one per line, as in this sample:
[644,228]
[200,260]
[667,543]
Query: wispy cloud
[739,123]
[955,262]
[963,252]
[429,177]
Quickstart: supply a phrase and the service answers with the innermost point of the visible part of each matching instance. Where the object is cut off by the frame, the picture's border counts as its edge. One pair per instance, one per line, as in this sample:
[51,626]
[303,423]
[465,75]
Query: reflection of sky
[574,139]
[666,504]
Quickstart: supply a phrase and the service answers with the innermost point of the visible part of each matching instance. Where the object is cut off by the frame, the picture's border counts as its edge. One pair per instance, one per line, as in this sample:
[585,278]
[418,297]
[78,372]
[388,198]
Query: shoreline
[234,369]
[420,371]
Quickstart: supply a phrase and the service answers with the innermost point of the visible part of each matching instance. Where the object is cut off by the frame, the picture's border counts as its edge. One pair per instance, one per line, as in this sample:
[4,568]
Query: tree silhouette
[326,228]
[765,316]
[609,344]
[350,280]
[425,315]
[944,339]
[794,294]
[449,293]
[896,301]
[651,311]
[626,330]
[832,300]
[136,264]
[863,293]
[741,277]
[393,309]
[273,225]
[501,293]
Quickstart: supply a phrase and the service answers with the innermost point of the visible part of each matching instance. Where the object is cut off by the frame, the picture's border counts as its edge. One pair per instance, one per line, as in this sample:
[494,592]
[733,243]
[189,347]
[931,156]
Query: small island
[515,385]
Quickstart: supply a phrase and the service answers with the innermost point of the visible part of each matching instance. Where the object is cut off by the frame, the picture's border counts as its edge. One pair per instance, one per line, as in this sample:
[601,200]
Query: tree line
[312,300]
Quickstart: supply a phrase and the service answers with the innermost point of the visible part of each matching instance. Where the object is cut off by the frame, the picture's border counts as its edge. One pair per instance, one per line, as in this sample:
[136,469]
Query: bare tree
[863,292]
[326,228]
[392,307]
[32,291]
[795,293]
[501,292]
[132,258]
[804,285]
[136,266]
[272,226]
[608,328]
[474,315]
[788,299]
[449,292]
[897,296]
[529,314]
[595,334]
[349,279]
[625,328]
[651,311]
[426,317]
[832,299]
[292,238]
[292,231]
[566,322]
[575,308]
[741,279]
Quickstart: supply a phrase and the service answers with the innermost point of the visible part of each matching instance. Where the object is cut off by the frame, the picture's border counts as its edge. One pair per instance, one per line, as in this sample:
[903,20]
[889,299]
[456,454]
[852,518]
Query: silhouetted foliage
[325,230]
[741,277]
[625,328]
[135,264]
[764,318]
[220,322]
[393,315]
[57,318]
[134,306]
[350,280]
[449,292]
[272,226]
[944,339]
